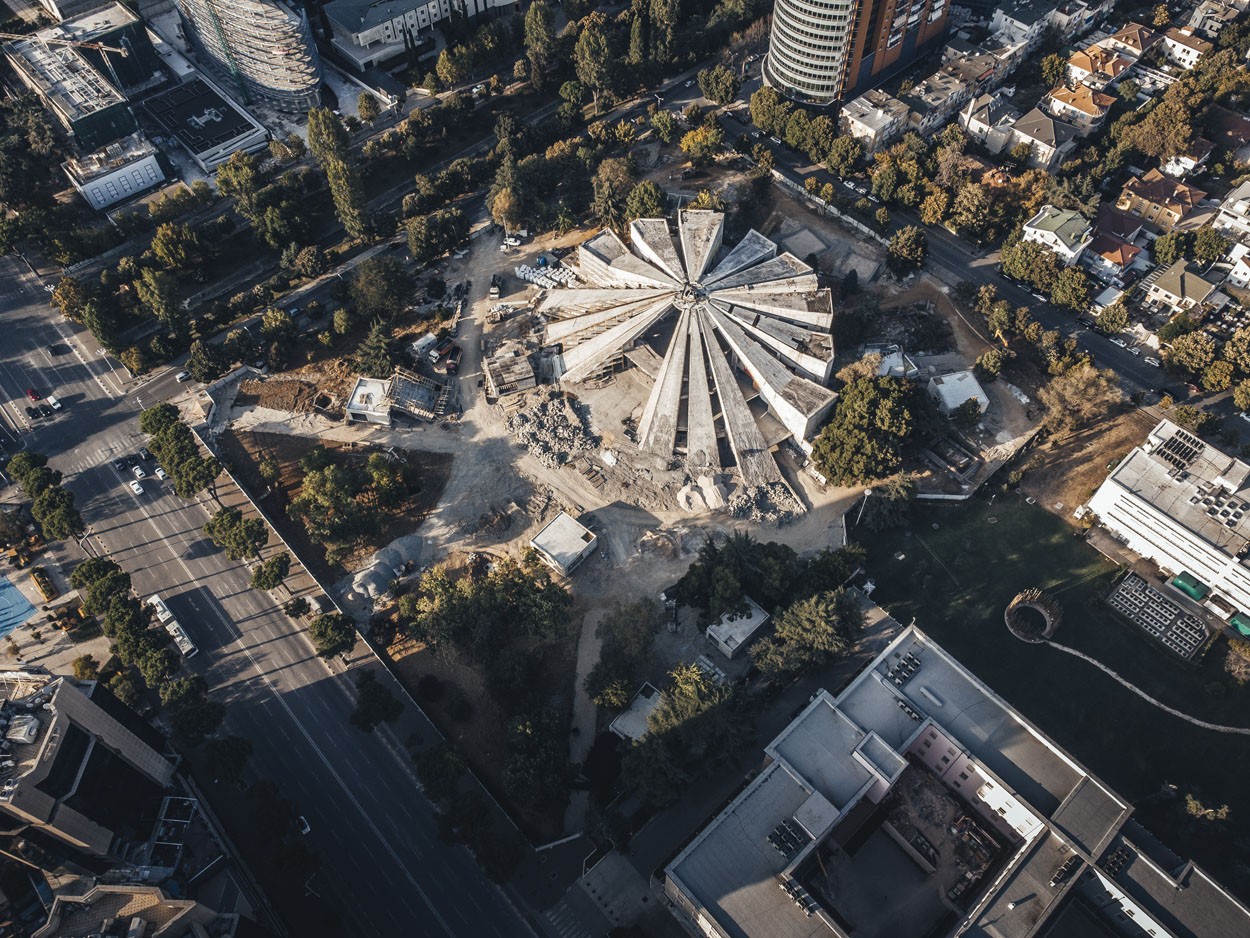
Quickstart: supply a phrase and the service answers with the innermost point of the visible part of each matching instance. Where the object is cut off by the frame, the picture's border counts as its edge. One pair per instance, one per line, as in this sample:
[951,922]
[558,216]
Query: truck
[496,281]
[186,647]
[453,361]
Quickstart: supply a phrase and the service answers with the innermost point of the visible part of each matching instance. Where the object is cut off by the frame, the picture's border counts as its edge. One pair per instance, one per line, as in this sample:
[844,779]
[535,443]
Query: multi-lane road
[381,860]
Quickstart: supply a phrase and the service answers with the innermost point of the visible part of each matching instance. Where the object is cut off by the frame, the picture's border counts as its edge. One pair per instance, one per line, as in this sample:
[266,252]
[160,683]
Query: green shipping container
[1191,586]
[1241,622]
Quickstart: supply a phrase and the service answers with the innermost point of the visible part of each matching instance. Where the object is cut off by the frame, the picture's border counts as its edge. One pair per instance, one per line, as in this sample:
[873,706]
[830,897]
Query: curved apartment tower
[822,51]
[263,49]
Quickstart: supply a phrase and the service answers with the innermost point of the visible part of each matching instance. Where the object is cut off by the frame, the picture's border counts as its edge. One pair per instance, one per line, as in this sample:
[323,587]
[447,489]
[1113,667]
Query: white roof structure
[752,310]
[731,633]
[564,542]
[950,391]
[370,396]
[631,723]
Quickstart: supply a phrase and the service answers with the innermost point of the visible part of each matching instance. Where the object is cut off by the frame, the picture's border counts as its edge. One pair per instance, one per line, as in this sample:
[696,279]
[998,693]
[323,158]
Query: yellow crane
[99,46]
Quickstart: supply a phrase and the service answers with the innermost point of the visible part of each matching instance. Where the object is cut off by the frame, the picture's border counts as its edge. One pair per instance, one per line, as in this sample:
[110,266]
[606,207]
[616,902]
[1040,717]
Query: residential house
[874,119]
[1133,40]
[1051,139]
[1065,232]
[1159,199]
[1238,258]
[1097,66]
[1233,218]
[1183,164]
[1082,106]
[1109,258]
[979,70]
[950,392]
[1023,20]
[988,120]
[1211,16]
[934,101]
[1119,225]
[1008,52]
[1181,287]
[1184,48]
[1075,19]
[373,32]
[1228,128]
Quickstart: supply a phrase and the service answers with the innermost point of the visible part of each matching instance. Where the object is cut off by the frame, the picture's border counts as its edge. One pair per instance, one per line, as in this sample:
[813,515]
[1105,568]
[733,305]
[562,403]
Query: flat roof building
[916,802]
[208,124]
[1184,505]
[116,172]
[952,391]
[733,631]
[112,24]
[564,543]
[632,722]
[369,402]
[84,766]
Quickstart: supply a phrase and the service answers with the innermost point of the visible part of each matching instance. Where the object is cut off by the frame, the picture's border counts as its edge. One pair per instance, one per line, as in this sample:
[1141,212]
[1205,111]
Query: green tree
[85,668]
[872,422]
[439,770]
[1172,246]
[194,475]
[127,687]
[380,287]
[270,574]
[1218,376]
[626,634]
[645,201]
[844,156]
[719,84]
[1241,396]
[908,248]
[1193,352]
[889,505]
[158,292]
[367,107]
[703,143]
[176,247]
[374,703]
[55,512]
[934,208]
[378,354]
[240,537]
[192,715]
[1113,318]
[206,362]
[664,126]
[988,366]
[592,56]
[612,183]
[1208,246]
[227,756]
[332,633]
[809,635]
[327,137]
[350,206]
[540,42]
[1071,289]
[1054,70]
[1079,397]
[971,211]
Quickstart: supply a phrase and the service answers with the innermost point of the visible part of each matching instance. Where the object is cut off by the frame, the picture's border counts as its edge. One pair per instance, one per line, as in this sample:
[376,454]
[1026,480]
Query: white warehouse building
[1184,505]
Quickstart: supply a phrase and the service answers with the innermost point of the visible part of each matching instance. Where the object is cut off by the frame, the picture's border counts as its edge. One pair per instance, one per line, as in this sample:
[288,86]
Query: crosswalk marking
[566,923]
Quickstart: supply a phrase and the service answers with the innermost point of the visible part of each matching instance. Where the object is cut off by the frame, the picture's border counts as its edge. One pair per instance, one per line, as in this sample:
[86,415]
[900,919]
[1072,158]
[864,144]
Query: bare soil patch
[1065,472]
[246,450]
[296,397]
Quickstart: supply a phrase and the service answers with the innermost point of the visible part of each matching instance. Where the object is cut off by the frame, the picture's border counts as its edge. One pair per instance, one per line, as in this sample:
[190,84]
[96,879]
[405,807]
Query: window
[1001,810]
[963,776]
[945,759]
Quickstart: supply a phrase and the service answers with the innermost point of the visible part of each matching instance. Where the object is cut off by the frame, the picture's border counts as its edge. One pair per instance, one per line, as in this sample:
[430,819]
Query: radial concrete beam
[653,241]
[564,304]
[582,360]
[657,430]
[805,349]
[748,252]
[578,329]
[783,274]
[806,309]
[701,233]
[702,451]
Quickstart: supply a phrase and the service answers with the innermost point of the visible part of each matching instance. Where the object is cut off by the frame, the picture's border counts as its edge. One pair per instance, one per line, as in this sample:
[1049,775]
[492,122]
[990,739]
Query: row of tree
[177,452]
[52,506]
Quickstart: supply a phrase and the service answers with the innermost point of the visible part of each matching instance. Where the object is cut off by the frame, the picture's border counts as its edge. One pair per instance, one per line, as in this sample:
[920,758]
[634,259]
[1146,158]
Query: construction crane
[98,46]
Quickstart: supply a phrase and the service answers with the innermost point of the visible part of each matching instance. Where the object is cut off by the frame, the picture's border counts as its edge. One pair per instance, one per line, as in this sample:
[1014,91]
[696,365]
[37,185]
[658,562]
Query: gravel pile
[768,504]
[553,430]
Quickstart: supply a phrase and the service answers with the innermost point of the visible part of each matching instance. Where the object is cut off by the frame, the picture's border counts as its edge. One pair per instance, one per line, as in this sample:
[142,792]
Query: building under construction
[263,49]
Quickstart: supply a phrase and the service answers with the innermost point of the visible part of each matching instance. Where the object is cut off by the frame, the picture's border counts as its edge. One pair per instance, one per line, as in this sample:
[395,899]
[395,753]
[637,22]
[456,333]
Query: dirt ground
[246,450]
[295,396]
[1062,474]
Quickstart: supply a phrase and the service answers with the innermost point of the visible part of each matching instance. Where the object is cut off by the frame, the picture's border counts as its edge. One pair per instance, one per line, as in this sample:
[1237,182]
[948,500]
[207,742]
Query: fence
[828,209]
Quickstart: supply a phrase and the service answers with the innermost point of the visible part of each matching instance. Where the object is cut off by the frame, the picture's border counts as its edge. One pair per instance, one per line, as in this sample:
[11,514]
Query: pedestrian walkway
[565,921]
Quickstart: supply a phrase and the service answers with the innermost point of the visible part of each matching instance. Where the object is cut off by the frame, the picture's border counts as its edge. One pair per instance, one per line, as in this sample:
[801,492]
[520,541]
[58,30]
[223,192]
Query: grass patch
[956,579]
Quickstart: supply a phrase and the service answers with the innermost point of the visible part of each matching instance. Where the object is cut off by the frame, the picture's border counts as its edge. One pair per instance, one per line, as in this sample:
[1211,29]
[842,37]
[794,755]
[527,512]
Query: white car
[303,824]
[690,83]
[140,472]
[136,487]
[1119,342]
[1153,361]
[512,242]
[1244,416]
[182,376]
[161,474]
[1134,351]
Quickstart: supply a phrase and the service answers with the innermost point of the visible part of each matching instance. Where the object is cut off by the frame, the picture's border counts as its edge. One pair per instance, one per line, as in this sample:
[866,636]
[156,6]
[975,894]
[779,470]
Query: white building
[950,392]
[1181,165]
[632,722]
[116,172]
[874,119]
[1184,48]
[1239,269]
[1064,231]
[1184,505]
[1023,20]
[1233,218]
[564,543]
[369,402]
[732,632]
[988,120]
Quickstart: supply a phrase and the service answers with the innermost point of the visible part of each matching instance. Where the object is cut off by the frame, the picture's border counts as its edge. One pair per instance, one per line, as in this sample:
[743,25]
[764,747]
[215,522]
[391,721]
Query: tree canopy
[810,634]
[874,420]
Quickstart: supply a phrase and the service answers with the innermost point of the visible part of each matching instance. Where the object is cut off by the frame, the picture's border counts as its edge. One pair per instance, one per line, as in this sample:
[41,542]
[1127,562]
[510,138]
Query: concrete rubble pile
[552,430]
[767,504]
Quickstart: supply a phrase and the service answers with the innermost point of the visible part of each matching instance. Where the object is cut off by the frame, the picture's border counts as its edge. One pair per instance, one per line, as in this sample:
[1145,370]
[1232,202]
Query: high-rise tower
[262,49]
[823,51]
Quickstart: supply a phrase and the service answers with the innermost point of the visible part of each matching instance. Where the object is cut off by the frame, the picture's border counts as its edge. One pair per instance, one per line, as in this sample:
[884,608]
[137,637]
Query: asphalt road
[381,860]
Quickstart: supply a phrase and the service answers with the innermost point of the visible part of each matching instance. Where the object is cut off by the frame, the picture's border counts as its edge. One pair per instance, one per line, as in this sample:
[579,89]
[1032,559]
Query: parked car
[1087,323]
[45,410]
[144,454]
[1134,351]
[53,402]
[690,83]
[776,141]
[303,825]
[32,413]
[1153,361]
[119,465]
[1120,342]
[453,360]
[161,474]
[140,472]
[136,487]
[32,394]
[182,376]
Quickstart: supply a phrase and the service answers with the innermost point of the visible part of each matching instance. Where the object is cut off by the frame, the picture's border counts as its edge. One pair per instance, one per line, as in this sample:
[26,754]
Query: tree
[1161,16]
[1208,246]
[240,537]
[873,420]
[626,633]
[1128,90]
[1171,247]
[55,512]
[1054,70]
[1031,262]
[127,687]
[703,143]
[327,137]
[176,247]
[367,107]
[889,505]
[277,325]
[350,206]
[540,41]
[194,475]
[934,208]
[719,84]
[1241,396]
[85,668]
[158,292]
[612,184]
[332,633]
[380,286]
[374,703]
[439,770]
[810,634]
[1114,318]
[378,354]
[971,211]
[206,362]
[270,574]
[645,201]
[908,248]
[192,715]
[988,366]
[227,756]
[1193,352]
[1078,397]
[155,419]
[664,126]
[844,155]
[1071,289]
[592,55]
[1218,376]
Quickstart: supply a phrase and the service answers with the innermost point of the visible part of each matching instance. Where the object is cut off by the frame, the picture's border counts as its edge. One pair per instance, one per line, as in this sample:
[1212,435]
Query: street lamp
[867,493]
